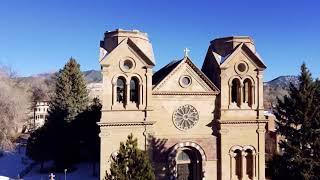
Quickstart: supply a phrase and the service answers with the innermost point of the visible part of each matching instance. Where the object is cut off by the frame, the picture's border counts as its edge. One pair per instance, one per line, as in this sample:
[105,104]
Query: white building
[40,114]
[95,90]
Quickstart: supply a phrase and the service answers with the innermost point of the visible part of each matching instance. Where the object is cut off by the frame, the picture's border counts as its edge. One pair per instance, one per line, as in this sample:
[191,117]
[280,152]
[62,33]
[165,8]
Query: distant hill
[277,87]
[283,81]
[91,76]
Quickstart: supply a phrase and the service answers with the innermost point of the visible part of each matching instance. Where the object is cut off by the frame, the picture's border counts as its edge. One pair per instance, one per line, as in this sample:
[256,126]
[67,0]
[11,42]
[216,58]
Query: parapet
[226,45]
[113,38]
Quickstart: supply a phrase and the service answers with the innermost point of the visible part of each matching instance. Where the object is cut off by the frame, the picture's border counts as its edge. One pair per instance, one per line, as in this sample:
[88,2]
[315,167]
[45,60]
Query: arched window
[249,164]
[235,91]
[243,162]
[134,90]
[247,91]
[238,163]
[121,90]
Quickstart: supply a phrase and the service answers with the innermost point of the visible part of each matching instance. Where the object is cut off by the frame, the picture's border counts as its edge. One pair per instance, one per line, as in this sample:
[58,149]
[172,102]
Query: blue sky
[38,36]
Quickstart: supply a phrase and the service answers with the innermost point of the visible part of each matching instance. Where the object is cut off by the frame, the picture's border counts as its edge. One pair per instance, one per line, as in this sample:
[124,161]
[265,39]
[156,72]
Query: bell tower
[126,59]
[234,65]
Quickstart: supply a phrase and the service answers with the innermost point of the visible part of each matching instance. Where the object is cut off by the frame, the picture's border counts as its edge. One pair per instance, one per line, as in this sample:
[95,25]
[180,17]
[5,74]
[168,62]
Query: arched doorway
[189,164]
[195,165]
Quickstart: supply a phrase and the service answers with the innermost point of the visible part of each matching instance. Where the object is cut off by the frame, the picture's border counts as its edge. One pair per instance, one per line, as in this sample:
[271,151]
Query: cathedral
[196,124]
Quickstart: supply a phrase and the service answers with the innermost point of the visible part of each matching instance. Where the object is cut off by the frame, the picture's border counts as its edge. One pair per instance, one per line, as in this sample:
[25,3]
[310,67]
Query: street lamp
[65,174]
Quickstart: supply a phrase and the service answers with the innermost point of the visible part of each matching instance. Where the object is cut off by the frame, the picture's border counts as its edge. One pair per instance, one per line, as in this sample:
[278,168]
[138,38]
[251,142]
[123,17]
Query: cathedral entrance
[189,164]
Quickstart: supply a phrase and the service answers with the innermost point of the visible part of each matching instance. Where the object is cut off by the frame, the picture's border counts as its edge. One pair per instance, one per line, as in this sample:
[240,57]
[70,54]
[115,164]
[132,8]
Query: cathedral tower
[233,64]
[126,59]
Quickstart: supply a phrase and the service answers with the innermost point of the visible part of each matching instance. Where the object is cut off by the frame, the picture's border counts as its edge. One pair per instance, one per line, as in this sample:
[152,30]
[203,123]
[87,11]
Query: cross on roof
[52,176]
[186,51]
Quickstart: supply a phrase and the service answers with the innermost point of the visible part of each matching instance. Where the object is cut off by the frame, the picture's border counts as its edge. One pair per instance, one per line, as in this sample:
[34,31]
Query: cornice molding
[139,123]
[185,93]
[243,121]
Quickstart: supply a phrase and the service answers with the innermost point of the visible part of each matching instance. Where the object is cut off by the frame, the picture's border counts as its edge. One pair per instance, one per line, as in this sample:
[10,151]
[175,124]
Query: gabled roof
[219,59]
[161,75]
[135,47]
[255,57]
[222,61]
[132,46]
[163,72]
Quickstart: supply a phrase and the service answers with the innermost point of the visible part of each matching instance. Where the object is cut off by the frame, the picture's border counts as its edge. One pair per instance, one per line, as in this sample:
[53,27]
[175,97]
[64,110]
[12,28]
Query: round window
[185,117]
[127,64]
[242,67]
[185,81]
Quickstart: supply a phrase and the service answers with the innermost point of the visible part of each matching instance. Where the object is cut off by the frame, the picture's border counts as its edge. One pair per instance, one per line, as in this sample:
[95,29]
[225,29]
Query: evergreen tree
[71,94]
[298,119]
[69,100]
[36,147]
[56,139]
[131,163]
[93,130]
[87,133]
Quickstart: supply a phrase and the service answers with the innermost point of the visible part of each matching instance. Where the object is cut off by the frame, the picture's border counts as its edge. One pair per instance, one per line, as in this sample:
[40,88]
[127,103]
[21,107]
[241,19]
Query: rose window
[185,117]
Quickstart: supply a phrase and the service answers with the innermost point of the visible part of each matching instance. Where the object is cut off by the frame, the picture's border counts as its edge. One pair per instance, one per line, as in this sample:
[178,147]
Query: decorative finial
[186,51]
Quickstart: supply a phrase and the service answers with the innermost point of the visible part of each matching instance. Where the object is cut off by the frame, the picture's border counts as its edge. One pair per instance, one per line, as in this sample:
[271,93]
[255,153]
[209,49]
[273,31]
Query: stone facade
[195,124]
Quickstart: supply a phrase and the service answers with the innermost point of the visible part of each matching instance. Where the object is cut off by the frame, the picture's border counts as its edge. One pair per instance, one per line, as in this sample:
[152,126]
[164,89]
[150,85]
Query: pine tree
[69,100]
[131,163]
[93,139]
[298,119]
[87,132]
[36,146]
[71,94]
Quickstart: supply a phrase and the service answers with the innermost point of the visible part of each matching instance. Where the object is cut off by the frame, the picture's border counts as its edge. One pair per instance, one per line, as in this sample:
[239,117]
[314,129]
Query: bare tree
[13,108]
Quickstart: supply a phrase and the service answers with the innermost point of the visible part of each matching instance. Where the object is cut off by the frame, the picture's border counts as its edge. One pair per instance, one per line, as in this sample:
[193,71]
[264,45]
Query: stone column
[233,165]
[261,148]
[241,94]
[230,94]
[244,164]
[148,93]
[224,86]
[127,95]
[253,96]
[140,101]
[148,87]
[260,94]
[253,165]
[114,93]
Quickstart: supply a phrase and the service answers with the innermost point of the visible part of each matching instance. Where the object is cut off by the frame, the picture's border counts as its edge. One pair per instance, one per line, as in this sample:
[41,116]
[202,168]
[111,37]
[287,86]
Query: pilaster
[148,87]
[104,151]
[260,94]
[261,151]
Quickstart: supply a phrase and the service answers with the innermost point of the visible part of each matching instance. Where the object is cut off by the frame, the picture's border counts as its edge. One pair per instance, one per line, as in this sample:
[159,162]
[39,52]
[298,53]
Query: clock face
[185,117]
